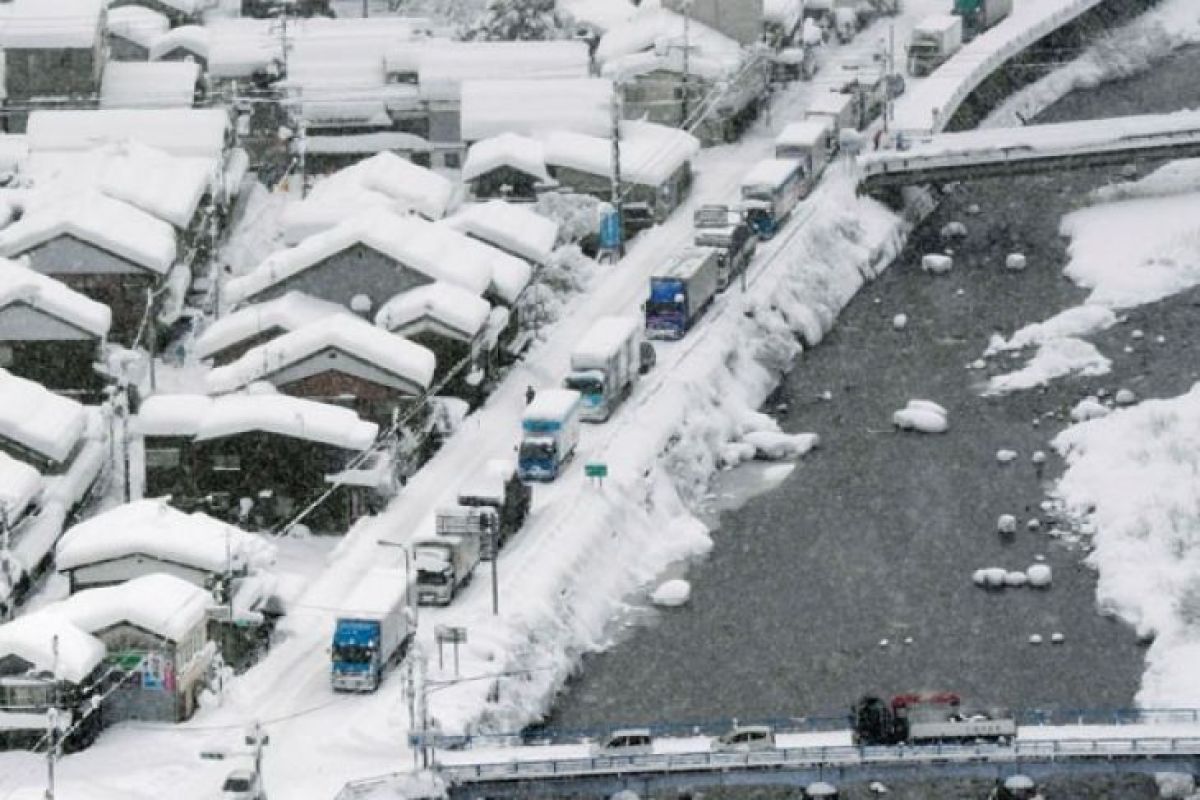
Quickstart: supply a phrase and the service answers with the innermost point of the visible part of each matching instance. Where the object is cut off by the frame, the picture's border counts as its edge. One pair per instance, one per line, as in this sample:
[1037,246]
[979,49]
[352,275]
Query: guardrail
[826,757]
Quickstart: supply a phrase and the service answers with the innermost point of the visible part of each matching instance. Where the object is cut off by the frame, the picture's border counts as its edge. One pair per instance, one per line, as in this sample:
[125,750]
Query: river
[876,535]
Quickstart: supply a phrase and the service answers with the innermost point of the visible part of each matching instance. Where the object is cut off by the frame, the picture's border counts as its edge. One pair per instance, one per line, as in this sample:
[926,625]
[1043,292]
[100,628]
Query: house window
[226,462]
[6,355]
[162,457]
[452,160]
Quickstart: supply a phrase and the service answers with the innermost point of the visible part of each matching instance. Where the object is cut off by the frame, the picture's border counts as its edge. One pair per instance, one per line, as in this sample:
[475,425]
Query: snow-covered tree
[518,21]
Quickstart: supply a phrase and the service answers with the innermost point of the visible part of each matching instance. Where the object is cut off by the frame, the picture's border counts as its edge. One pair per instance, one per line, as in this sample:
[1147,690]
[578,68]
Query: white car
[625,742]
[242,784]
[745,738]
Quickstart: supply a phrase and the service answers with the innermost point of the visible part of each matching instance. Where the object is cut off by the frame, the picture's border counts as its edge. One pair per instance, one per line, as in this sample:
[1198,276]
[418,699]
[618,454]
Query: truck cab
[357,660]
[444,564]
[550,433]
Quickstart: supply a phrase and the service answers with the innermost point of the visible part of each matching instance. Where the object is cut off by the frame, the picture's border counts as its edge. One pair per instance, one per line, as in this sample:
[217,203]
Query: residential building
[508,167]
[230,337]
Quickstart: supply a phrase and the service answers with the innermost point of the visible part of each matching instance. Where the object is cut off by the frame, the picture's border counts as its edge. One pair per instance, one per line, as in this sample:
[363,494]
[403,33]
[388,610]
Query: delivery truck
[679,295]
[725,230]
[979,15]
[444,564]
[838,107]
[549,434]
[493,496]
[372,630]
[934,40]
[604,366]
[811,142]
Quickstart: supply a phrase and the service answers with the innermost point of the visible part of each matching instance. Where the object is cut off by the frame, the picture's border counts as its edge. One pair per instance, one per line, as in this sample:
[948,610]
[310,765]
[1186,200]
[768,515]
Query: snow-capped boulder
[1007,523]
[1138,333]
[1040,575]
[1015,262]
[926,405]
[1005,456]
[921,420]
[954,230]
[900,322]
[1019,783]
[974,210]
[1035,638]
[1057,638]
[1038,457]
[821,789]
[1089,408]
[672,593]
[1015,579]
[1034,524]
[1125,397]
[936,263]
[772,446]
[990,577]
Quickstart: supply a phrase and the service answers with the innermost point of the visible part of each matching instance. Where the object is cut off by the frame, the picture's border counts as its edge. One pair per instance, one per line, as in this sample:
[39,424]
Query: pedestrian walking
[530,393]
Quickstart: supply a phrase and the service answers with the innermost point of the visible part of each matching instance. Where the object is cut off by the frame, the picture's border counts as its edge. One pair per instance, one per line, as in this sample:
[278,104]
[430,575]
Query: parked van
[626,742]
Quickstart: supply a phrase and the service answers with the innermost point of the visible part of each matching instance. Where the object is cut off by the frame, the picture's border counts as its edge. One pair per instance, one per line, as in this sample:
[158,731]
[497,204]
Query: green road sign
[595,470]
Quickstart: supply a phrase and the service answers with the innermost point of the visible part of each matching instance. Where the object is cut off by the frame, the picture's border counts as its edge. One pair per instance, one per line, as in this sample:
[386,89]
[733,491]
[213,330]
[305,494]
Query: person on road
[530,393]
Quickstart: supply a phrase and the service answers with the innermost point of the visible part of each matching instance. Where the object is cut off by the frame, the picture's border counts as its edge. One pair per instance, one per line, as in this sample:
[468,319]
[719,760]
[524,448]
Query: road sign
[610,231]
[450,633]
[594,469]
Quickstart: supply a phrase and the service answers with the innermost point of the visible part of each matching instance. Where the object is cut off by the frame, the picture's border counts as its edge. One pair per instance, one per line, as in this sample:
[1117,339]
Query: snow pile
[1087,409]
[672,593]
[1006,523]
[923,416]
[773,446]
[1039,575]
[1130,476]
[1074,322]
[1005,456]
[1174,177]
[1054,359]
[936,263]
[1015,262]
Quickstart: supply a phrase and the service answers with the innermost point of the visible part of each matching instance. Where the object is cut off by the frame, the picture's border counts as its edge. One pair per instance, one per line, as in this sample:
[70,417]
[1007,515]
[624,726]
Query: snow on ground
[1131,477]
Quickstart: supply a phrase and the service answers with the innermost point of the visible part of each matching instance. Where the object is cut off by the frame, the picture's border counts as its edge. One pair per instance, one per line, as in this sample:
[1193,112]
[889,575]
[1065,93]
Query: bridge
[1033,149]
[805,752]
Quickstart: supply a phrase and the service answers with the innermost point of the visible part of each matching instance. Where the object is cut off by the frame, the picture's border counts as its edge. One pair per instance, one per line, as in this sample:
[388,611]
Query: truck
[836,106]
[444,564]
[681,293]
[373,630]
[725,229]
[605,366]
[811,142]
[922,718]
[549,434]
[492,505]
[979,15]
[934,40]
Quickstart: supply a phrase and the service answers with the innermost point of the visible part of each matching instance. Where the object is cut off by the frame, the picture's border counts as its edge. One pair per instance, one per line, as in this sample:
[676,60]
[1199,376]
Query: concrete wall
[741,20]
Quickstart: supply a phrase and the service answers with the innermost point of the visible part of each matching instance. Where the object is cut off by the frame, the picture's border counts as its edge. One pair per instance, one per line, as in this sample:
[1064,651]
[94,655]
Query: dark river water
[877,534]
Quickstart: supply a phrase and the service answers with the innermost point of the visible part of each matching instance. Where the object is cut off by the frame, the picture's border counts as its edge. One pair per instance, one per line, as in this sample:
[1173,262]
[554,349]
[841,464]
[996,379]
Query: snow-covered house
[493,107]
[366,260]
[340,359]
[103,248]
[254,456]
[178,12]
[515,229]
[188,43]
[227,339]
[454,325]
[132,30]
[135,84]
[656,167]
[54,54]
[154,627]
[508,166]
[47,661]
[38,427]
[50,333]
[200,133]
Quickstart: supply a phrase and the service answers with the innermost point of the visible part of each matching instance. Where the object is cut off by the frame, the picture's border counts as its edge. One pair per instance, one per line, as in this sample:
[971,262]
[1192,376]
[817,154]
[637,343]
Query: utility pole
[686,8]
[616,166]
[5,557]
[366,8]
[52,721]
[151,332]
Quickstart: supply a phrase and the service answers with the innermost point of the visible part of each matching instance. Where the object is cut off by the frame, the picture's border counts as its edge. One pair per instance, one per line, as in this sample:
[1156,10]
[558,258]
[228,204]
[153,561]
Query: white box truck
[604,366]
[373,630]
[837,106]
[933,41]
[444,565]
[549,434]
[811,142]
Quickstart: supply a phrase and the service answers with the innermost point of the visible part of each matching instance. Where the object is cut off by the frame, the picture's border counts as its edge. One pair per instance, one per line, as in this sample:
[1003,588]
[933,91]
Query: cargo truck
[679,295]
[934,40]
[604,366]
[493,496]
[373,630]
[549,434]
[979,15]
[444,565]
[725,229]
[838,107]
[811,142]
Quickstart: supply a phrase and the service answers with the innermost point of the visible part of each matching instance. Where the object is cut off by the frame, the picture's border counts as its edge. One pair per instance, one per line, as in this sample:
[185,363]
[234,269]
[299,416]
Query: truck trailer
[934,40]
[444,565]
[811,142]
[549,434]
[604,366]
[679,295]
[979,15]
[373,630]
[725,229]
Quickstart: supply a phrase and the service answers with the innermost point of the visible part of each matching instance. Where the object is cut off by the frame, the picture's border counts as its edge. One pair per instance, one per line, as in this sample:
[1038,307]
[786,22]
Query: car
[625,742]
[242,784]
[744,738]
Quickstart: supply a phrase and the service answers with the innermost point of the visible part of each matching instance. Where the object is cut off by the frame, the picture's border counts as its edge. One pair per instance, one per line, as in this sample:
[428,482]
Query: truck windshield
[537,450]
[427,578]
[585,384]
[353,653]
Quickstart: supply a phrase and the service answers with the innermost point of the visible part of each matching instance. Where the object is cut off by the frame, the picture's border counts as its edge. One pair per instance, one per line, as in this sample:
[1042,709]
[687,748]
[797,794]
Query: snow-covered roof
[832,103]
[32,638]
[19,284]
[92,217]
[599,14]
[213,417]
[443,68]
[394,354]
[162,604]
[365,143]
[769,172]
[650,153]
[38,24]
[38,419]
[193,38]
[416,243]
[508,275]
[238,46]
[551,404]
[138,24]
[153,84]
[425,191]
[663,30]
[293,310]
[605,337]
[451,305]
[184,132]
[712,68]
[153,528]
[488,482]
[786,13]
[511,227]
[19,485]
[491,107]
[807,133]
[507,149]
